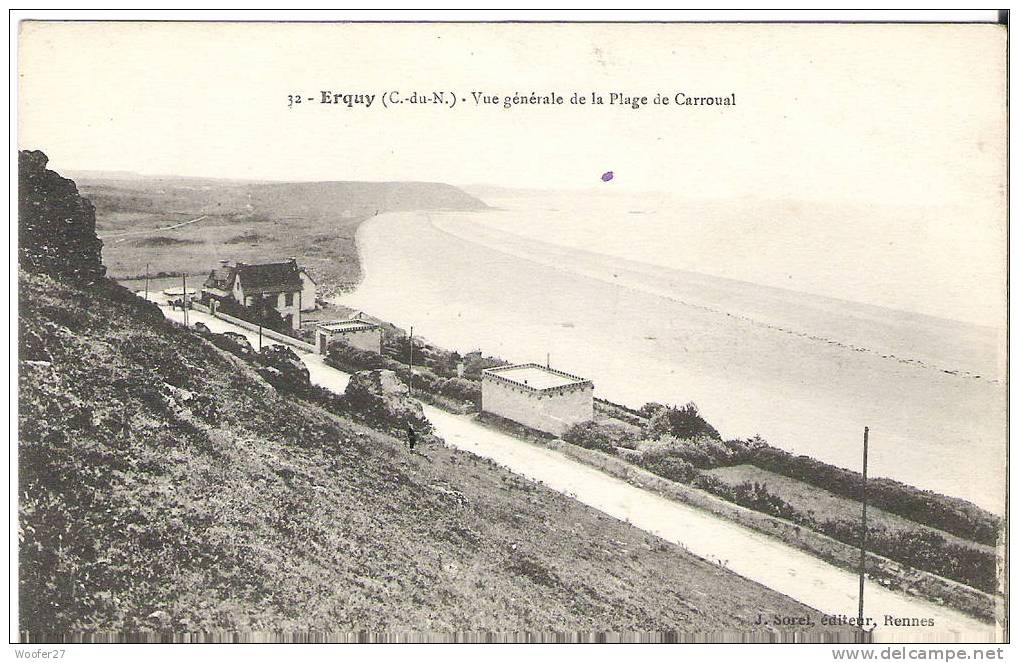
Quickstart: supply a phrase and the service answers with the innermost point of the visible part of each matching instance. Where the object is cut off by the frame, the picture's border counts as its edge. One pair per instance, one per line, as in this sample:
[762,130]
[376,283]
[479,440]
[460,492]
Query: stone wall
[266,332]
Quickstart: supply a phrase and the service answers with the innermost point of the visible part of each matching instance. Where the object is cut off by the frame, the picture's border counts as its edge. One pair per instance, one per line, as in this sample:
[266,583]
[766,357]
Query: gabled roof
[221,278]
[269,277]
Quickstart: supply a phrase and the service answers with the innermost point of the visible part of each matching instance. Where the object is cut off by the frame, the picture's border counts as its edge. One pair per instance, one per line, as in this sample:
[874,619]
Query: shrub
[292,373]
[346,357]
[924,550]
[591,435]
[460,389]
[649,409]
[701,451]
[753,495]
[433,375]
[230,344]
[423,379]
[668,466]
[379,399]
[683,422]
[261,313]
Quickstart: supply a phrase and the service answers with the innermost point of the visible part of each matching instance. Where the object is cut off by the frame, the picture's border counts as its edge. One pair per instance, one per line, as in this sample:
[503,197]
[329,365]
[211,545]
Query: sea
[798,321]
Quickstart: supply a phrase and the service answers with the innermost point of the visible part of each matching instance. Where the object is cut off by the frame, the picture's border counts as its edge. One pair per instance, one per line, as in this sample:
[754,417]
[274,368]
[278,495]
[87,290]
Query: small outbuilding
[537,396]
[361,334]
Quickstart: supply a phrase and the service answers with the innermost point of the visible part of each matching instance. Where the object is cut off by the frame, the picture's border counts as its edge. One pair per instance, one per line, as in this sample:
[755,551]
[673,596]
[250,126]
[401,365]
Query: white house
[537,396]
[358,333]
[276,284]
[309,291]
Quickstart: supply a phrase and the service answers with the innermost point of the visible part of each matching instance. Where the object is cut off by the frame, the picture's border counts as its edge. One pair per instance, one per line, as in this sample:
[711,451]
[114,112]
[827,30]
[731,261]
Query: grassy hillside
[141,220]
[163,484]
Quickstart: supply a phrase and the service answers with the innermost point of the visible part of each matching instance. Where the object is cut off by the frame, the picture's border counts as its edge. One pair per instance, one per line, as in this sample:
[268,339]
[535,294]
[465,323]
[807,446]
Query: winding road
[743,551]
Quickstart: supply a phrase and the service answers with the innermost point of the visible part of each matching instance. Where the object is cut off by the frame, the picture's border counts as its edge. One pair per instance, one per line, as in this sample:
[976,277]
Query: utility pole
[184,278]
[548,360]
[863,532]
[410,361]
[258,305]
[146,281]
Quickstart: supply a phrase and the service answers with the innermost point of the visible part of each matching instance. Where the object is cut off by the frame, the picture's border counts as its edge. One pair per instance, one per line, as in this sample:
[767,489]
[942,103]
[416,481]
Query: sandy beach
[805,372]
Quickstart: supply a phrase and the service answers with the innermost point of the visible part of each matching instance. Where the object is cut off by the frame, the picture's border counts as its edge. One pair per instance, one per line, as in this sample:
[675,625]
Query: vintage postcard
[474,331]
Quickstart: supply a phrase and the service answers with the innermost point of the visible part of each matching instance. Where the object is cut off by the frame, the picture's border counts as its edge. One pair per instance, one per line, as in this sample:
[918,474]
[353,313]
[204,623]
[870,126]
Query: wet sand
[805,372]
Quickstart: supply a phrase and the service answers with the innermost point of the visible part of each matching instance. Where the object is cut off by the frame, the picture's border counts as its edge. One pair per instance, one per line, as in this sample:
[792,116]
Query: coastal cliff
[56,226]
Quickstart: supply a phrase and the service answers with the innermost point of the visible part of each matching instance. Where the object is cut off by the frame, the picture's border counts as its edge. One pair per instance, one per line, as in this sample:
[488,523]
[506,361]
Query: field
[173,226]
[823,505]
[166,486]
[196,249]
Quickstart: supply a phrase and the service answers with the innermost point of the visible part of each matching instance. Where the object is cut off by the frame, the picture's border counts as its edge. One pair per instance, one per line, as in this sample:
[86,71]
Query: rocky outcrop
[56,226]
[380,395]
[282,368]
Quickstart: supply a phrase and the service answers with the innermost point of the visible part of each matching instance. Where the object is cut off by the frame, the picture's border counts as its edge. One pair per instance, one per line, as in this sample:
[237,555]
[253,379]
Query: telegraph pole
[863,532]
[146,281]
[184,278]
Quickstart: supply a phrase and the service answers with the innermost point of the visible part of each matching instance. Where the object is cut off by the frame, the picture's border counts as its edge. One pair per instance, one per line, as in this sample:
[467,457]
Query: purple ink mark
[607,176]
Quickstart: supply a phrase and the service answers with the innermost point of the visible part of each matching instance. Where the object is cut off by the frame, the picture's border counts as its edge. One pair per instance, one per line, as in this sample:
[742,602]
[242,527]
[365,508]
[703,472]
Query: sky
[894,113]
[864,116]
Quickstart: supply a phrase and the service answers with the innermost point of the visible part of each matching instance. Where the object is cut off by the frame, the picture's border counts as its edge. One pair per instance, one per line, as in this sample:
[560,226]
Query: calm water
[804,371]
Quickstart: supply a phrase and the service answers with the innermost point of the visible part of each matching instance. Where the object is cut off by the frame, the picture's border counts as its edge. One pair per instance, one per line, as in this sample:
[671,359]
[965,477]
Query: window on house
[289,299]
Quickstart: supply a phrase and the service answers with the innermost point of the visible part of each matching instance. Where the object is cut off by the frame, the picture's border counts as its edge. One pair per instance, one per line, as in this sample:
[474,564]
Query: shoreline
[625,267]
[733,370]
[332,300]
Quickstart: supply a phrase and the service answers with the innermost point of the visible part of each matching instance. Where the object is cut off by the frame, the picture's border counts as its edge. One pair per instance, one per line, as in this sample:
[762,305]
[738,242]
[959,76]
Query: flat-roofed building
[361,334]
[537,396]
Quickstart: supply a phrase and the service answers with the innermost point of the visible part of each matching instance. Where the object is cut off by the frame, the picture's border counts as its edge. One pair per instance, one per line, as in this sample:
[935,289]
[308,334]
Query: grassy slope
[221,504]
[314,222]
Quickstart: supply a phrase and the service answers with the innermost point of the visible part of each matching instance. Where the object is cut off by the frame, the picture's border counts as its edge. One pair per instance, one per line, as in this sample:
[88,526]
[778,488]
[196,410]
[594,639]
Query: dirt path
[120,237]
